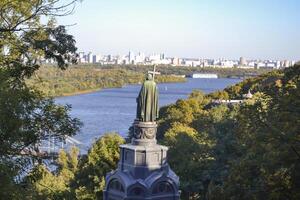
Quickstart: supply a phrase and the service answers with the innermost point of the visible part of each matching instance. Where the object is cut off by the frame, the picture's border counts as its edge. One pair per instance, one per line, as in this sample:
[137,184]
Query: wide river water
[113,110]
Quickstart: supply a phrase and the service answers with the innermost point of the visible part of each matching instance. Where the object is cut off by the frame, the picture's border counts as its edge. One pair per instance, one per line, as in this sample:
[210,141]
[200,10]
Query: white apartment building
[90,57]
[162,62]
[140,58]
[260,64]
[192,62]
[97,58]
[228,63]
[154,57]
[131,58]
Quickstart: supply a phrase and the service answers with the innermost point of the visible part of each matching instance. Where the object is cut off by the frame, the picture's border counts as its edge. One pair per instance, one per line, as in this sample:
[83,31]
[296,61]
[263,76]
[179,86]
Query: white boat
[199,75]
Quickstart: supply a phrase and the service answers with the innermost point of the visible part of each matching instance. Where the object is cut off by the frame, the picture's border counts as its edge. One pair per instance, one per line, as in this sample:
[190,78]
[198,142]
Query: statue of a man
[147,101]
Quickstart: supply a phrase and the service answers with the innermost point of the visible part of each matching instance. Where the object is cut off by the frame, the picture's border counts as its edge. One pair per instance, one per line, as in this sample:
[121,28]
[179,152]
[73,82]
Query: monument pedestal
[143,171]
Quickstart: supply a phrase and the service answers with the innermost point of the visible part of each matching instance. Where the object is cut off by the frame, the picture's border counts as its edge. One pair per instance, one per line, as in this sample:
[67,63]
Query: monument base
[143,171]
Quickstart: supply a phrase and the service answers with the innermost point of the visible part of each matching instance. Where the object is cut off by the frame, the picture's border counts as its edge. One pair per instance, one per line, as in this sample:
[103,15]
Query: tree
[45,184]
[268,131]
[102,158]
[254,149]
[26,117]
[193,149]
[183,111]
[220,95]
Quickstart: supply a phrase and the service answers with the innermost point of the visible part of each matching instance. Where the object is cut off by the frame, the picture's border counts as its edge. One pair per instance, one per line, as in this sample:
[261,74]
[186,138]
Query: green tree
[254,151]
[190,157]
[269,132]
[102,158]
[26,117]
[183,111]
[45,184]
[220,95]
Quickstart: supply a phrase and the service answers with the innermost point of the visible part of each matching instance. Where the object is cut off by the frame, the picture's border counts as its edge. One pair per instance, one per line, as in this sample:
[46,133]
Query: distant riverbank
[75,80]
[226,72]
[86,78]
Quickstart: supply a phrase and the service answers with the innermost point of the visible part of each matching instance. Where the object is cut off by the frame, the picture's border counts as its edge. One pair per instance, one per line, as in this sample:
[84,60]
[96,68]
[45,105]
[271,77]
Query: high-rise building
[81,55]
[286,63]
[90,57]
[81,58]
[243,61]
[140,58]
[131,57]
[293,63]
[109,58]
[176,61]
[96,58]
[277,64]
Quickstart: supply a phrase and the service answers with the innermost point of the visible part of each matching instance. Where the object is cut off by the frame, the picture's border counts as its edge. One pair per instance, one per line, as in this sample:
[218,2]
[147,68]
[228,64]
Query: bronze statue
[147,101]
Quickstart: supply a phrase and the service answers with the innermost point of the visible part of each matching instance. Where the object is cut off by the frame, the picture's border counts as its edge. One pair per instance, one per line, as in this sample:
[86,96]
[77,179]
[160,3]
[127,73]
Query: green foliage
[76,178]
[101,159]
[245,151]
[249,151]
[263,82]
[8,188]
[219,95]
[269,131]
[252,149]
[48,185]
[183,111]
[26,117]
[193,150]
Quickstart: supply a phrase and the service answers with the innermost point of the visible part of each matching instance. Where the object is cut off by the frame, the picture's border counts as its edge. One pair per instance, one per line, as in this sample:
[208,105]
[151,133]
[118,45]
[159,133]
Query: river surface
[113,110]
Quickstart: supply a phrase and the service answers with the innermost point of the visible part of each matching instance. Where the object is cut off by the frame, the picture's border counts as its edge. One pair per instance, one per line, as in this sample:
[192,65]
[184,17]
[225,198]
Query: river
[113,110]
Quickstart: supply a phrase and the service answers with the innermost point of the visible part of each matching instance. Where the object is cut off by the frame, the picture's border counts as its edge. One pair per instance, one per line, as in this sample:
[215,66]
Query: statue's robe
[147,102]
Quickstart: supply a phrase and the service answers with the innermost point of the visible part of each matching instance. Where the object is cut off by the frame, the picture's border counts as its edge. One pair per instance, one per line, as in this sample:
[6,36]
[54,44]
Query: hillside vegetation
[240,152]
[246,151]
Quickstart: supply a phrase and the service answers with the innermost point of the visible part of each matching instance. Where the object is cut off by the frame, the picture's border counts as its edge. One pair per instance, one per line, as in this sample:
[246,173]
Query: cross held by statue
[153,72]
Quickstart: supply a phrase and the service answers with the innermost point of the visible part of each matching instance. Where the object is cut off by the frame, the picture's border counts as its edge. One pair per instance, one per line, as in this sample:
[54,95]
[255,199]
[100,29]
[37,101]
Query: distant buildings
[90,57]
[176,61]
[160,59]
[267,64]
[97,58]
[242,61]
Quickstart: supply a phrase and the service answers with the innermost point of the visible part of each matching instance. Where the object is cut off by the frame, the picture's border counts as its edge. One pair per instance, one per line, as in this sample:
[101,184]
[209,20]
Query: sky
[254,29]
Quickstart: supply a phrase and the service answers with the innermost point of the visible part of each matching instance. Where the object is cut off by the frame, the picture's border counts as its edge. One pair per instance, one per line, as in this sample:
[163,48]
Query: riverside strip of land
[78,79]
[54,82]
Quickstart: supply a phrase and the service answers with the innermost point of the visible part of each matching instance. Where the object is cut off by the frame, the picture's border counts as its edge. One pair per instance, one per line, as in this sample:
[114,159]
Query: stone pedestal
[143,171]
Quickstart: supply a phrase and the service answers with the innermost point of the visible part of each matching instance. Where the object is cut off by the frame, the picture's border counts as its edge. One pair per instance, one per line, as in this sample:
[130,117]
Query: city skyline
[97,52]
[208,29]
[140,58]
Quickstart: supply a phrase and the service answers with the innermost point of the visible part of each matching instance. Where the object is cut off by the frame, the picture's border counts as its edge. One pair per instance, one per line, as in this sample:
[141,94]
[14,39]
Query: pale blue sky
[262,29]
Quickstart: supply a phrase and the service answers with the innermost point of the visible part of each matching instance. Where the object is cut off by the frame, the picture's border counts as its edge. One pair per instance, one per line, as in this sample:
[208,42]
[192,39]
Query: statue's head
[149,77]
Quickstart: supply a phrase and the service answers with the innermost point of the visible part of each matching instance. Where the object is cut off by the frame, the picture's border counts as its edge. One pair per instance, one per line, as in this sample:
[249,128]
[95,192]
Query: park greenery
[81,79]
